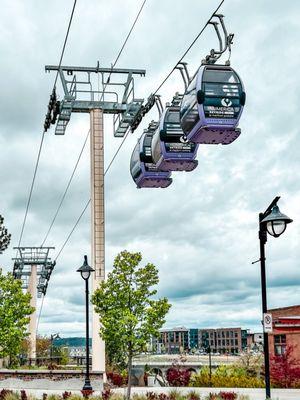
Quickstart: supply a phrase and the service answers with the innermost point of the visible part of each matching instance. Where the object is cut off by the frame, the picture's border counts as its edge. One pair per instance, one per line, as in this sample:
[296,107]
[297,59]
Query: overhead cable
[43,135]
[66,190]
[189,48]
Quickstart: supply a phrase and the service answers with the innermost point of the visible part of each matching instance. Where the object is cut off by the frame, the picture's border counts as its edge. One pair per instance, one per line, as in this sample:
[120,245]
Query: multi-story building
[193,338]
[174,341]
[221,340]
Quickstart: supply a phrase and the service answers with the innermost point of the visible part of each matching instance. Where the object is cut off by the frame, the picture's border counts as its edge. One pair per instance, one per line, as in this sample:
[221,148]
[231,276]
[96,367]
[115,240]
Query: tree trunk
[129,377]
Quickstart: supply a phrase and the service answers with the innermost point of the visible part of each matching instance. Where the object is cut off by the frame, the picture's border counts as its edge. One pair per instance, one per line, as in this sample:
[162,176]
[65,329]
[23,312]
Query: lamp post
[85,271]
[271,221]
[52,338]
[209,362]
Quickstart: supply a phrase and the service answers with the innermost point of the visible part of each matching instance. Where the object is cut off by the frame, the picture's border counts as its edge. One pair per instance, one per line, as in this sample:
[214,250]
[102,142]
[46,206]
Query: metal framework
[83,93]
[34,256]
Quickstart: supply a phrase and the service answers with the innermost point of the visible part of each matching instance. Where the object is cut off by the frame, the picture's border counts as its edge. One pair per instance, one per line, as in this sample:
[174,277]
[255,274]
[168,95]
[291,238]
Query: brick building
[286,330]
[221,340]
[174,341]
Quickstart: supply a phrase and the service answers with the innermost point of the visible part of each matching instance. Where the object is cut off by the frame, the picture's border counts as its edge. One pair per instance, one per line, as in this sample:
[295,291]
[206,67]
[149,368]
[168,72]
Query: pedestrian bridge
[157,366]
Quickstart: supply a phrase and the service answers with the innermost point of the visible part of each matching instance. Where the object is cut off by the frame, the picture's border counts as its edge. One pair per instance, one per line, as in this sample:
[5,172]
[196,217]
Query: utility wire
[129,33]
[66,190]
[31,189]
[89,201]
[39,317]
[123,46]
[65,42]
[43,135]
[189,48]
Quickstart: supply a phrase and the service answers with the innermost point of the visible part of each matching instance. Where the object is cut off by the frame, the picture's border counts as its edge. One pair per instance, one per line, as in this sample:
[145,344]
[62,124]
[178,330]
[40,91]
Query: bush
[117,379]
[177,376]
[223,396]
[225,376]
[10,395]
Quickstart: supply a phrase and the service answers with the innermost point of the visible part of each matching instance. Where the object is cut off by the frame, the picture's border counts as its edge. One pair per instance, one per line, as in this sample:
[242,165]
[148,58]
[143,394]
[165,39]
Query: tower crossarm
[87,88]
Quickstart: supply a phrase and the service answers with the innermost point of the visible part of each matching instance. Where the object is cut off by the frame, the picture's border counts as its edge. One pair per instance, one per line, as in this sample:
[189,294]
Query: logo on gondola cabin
[226,102]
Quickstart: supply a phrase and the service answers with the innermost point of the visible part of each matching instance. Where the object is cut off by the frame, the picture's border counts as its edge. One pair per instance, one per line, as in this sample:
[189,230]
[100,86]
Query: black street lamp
[85,271]
[52,338]
[209,362]
[273,222]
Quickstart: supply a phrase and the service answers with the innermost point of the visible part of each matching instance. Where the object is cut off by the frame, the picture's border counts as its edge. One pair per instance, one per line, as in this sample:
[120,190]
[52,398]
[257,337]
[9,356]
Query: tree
[43,345]
[252,363]
[285,370]
[128,313]
[15,310]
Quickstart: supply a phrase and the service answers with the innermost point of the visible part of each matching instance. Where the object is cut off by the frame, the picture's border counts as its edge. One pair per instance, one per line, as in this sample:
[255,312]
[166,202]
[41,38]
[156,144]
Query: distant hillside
[71,342]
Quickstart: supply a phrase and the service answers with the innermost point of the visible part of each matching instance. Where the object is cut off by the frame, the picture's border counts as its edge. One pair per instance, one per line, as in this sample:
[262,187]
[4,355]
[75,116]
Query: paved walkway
[254,394]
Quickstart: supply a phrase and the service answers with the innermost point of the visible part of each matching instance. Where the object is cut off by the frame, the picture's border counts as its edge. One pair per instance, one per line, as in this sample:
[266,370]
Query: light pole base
[87,389]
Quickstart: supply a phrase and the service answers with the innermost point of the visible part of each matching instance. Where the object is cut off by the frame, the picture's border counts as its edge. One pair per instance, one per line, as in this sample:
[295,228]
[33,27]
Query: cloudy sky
[201,232]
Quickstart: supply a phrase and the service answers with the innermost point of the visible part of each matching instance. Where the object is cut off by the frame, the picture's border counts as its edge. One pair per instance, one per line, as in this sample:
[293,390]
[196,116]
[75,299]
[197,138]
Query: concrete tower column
[32,323]
[97,209]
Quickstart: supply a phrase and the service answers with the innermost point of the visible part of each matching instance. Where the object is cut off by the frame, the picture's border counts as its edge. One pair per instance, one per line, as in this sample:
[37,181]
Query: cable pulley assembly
[53,110]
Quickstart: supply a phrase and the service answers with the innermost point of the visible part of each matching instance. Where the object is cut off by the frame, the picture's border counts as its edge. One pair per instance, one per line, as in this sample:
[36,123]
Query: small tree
[43,345]
[128,314]
[15,310]
[285,370]
[252,363]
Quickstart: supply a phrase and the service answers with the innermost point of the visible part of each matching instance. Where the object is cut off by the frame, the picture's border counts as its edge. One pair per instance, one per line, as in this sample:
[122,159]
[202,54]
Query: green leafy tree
[128,313]
[15,310]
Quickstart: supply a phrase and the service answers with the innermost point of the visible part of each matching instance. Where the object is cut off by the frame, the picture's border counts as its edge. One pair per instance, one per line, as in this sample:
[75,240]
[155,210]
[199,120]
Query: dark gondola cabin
[143,170]
[170,151]
[212,105]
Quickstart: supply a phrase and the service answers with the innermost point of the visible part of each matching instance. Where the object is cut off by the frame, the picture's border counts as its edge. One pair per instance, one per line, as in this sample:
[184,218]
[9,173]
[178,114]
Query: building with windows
[193,338]
[221,340]
[286,331]
[173,341]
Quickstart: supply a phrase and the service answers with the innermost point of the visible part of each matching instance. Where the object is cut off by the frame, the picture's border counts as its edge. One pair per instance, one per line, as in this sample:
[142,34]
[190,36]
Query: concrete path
[254,394]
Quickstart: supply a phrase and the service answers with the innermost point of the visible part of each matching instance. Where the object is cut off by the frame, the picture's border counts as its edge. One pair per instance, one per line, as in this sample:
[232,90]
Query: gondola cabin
[170,152]
[143,170]
[212,105]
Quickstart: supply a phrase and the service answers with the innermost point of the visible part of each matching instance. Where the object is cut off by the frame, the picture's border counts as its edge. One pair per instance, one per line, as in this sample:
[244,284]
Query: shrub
[225,376]
[3,393]
[151,396]
[228,395]
[223,396]
[177,376]
[116,379]
[285,370]
[10,395]
[106,394]
[23,395]
[192,395]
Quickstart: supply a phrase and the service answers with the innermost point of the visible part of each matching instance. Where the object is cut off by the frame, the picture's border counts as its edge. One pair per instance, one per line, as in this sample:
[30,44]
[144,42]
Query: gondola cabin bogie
[212,105]
[170,152]
[143,170]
